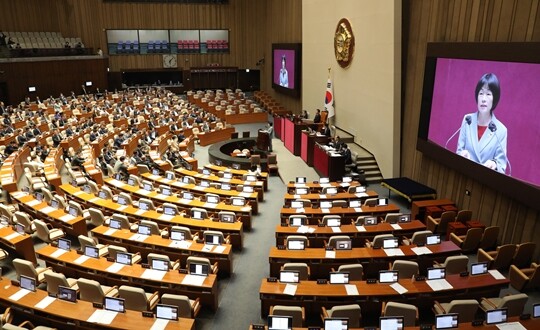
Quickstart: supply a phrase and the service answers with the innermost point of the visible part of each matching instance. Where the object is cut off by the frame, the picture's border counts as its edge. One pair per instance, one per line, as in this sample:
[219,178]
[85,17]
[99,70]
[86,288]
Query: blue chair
[127,46]
[150,46]
[165,45]
[120,47]
[136,46]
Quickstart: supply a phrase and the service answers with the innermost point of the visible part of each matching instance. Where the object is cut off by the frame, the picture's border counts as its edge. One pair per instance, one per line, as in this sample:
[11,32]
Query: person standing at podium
[270,130]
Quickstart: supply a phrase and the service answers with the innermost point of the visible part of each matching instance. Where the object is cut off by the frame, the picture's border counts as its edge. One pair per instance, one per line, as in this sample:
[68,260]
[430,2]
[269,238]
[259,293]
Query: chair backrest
[409,312]
[464,215]
[392,217]
[24,219]
[126,197]
[96,216]
[534,279]
[77,206]
[351,312]
[524,254]
[26,268]
[198,260]
[93,186]
[226,214]
[505,254]
[406,268]
[370,202]
[326,218]
[466,308]
[142,168]
[85,241]
[295,312]
[124,222]
[42,231]
[356,271]
[297,238]
[472,239]
[446,217]
[204,213]
[300,267]
[456,264]
[114,249]
[61,201]
[47,195]
[271,159]
[185,230]
[154,228]
[339,203]
[215,233]
[515,303]
[54,280]
[419,237]
[379,239]
[182,302]
[489,238]
[152,256]
[135,298]
[332,241]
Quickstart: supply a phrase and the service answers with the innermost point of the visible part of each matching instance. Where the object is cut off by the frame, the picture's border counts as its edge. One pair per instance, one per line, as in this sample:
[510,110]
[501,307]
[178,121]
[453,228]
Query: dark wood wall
[463,21]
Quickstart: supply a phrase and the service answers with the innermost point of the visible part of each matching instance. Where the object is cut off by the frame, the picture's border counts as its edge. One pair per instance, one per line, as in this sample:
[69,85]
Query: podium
[263,140]
[328,165]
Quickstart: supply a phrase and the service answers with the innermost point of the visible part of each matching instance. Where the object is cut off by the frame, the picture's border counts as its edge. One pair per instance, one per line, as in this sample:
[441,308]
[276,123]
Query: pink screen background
[518,108]
[289,65]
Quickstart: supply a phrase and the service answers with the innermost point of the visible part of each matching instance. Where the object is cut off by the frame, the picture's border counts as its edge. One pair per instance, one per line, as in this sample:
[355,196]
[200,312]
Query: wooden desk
[97,269]
[327,165]
[313,296]
[158,244]
[246,118]
[316,187]
[108,207]
[207,138]
[258,185]
[347,214]
[308,145]
[237,173]
[22,245]
[12,169]
[317,198]
[53,165]
[65,315]
[318,235]
[418,208]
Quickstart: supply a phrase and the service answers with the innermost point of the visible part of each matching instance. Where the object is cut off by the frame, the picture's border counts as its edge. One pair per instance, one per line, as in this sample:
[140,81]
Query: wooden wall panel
[29,15]
[462,21]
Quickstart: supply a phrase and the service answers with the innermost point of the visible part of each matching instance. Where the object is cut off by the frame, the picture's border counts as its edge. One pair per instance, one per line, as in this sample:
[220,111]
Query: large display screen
[286,64]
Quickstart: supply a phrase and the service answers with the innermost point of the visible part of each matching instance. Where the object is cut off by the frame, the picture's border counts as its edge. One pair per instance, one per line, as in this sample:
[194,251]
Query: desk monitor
[86,188]
[334,323]
[333,222]
[144,230]
[74,182]
[324,180]
[227,175]
[279,322]
[122,200]
[479,268]
[346,179]
[73,211]
[25,189]
[143,206]
[301,191]
[206,171]
[360,189]
[370,221]
[27,283]
[326,204]
[169,210]
[251,178]
[289,276]
[404,218]
[196,215]
[536,310]
[212,239]
[300,179]
[225,186]
[248,189]
[388,276]
[131,181]
[54,203]
[236,201]
[382,201]
[436,273]
[391,323]
[19,228]
[344,244]
[102,194]
[117,176]
[64,244]
[212,199]
[297,221]
[331,190]
[496,316]
[339,277]
[227,218]
[446,321]
[115,223]
[355,203]
[199,269]
[433,239]
[297,204]
[67,294]
[293,244]
[236,166]
[185,179]
[38,195]
[114,304]
[205,184]
[390,243]
[167,312]
[165,190]
[148,186]
[124,258]
[91,251]
[169,176]
[187,195]
[177,235]
[160,264]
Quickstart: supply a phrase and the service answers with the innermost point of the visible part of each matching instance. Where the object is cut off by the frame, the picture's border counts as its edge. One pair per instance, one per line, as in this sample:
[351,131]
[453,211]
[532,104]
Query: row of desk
[348,214]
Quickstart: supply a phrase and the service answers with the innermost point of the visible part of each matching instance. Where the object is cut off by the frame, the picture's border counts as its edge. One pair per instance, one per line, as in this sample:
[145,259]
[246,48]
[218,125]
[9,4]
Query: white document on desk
[102,316]
[330,254]
[358,209]
[47,209]
[322,196]
[33,202]
[153,274]
[58,253]
[159,324]
[336,229]
[290,289]
[393,252]
[325,210]
[166,217]
[399,288]
[121,208]
[296,196]
[439,285]
[300,185]
[396,226]
[219,249]
[181,244]
[496,274]
[143,192]
[195,280]
[140,212]
[361,228]
[95,199]
[351,289]
[421,250]
[81,259]
[511,326]
[45,302]
[115,268]
[300,210]
[110,232]
[246,209]
[362,194]
[207,248]
[138,237]
[12,236]
[67,217]
[19,294]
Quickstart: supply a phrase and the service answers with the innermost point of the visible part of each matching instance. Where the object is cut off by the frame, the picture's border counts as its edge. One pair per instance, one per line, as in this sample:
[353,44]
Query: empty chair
[154,228]
[465,308]
[392,217]
[107,192]
[406,268]
[124,222]
[6,317]
[136,180]
[469,242]
[297,238]
[46,232]
[305,202]
[339,203]
[79,209]
[515,303]
[524,254]
[137,299]
[371,201]
[26,268]
[47,195]
[55,279]
[409,312]
[92,291]
[498,259]
[464,215]
[61,202]
[96,217]
[333,240]
[142,168]
[187,308]
[198,213]
[186,231]
[356,271]
[488,241]
[328,190]
[439,225]
[296,312]
[114,249]
[172,265]
[418,238]
[271,163]
[525,278]
[85,241]
[351,312]
[378,240]
[300,267]
[24,219]
[454,264]
[215,233]
[148,203]
[204,261]
[6,213]
[3,254]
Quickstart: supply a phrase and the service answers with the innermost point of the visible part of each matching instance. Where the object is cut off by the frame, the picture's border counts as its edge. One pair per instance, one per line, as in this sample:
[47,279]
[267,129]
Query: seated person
[77,161]
[345,151]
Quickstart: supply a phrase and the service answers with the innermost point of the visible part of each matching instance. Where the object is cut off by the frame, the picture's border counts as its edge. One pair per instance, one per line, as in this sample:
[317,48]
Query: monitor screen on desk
[148,186]
[404,218]
[117,176]
[297,204]
[336,323]
[227,218]
[248,189]
[360,189]
[115,223]
[324,180]
[300,179]
[301,191]
[446,321]
[131,181]
[177,235]
[124,258]
[391,323]
[196,215]
[91,251]
[169,210]
[436,273]
[122,200]
[86,188]
[38,196]
[225,186]
[64,244]
[433,239]
[27,283]
[143,206]
[346,179]
[236,166]
[339,278]
[169,176]
[73,211]
[102,194]
[326,204]
[331,190]
[279,322]
[114,304]
[355,203]
[187,195]
[155,171]
[479,268]
[67,294]
[212,199]
[19,228]
[382,201]
[227,175]
[206,171]
[496,316]
[390,243]
[297,221]
[160,264]
[199,269]
[288,276]
[293,244]
[205,184]
[536,310]
[144,230]
[370,221]
[333,222]
[344,244]
[55,203]
[212,239]
[166,191]
[388,276]
[186,179]
[236,201]
[167,312]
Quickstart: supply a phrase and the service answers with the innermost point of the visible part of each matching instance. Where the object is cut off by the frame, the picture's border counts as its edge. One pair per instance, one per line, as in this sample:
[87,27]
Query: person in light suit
[483,137]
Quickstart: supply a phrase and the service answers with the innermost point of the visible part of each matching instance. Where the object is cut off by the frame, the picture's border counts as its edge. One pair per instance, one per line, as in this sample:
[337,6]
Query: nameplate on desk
[282,247]
[371,281]
[284,225]
[329,248]
[322,281]
[321,225]
[464,274]
[525,316]
[148,314]
[182,271]
[426,326]
[477,323]
[419,278]
[146,266]
[258,327]
[271,279]
[97,305]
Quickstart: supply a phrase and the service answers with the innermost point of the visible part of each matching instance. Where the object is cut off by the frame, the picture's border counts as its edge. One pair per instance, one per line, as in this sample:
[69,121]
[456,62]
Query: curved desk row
[348,214]
[21,244]
[258,185]
[317,198]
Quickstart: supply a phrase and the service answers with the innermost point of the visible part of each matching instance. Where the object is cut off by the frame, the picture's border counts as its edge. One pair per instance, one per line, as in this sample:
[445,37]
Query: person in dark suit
[317,118]
[345,151]
[11,148]
[325,130]
[56,138]
[36,131]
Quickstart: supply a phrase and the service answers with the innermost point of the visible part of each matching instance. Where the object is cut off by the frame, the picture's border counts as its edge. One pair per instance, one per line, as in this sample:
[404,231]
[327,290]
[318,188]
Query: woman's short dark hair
[491,80]
[283,58]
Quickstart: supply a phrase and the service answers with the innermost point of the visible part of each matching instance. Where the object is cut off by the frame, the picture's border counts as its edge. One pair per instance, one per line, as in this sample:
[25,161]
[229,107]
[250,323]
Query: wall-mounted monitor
[32,89]
[286,68]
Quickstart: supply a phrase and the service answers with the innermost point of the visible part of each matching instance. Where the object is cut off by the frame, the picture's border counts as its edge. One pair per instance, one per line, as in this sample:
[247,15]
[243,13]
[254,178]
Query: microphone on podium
[468,120]
[493,128]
